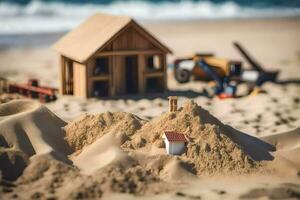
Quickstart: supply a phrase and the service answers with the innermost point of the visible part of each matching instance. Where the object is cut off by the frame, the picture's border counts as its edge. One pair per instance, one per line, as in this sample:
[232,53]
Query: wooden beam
[86,81]
[113,77]
[62,74]
[127,52]
[89,65]
[165,70]
[79,81]
[141,76]
[100,78]
[154,74]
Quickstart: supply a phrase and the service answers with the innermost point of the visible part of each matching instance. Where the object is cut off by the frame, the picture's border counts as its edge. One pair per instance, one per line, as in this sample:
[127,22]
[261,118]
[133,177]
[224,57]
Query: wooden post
[141,74]
[165,70]
[79,81]
[67,77]
[173,103]
[62,88]
[89,82]
[113,76]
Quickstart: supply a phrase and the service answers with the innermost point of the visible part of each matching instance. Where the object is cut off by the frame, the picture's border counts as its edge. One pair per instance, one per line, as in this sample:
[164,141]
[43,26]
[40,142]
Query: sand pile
[31,128]
[115,152]
[46,177]
[29,131]
[6,97]
[91,127]
[175,168]
[135,180]
[287,151]
[12,163]
[210,149]
[104,151]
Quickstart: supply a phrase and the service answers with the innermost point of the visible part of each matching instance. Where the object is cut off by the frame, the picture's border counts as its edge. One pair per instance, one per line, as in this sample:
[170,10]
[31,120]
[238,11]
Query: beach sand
[272,117]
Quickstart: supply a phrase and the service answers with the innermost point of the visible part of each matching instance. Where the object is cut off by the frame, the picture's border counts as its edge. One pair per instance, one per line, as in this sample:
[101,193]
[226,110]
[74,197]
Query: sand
[119,153]
[210,149]
[30,127]
[118,160]
[87,129]
[5,97]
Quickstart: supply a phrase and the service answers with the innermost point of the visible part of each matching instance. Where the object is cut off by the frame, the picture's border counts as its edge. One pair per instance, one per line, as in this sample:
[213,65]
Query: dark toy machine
[225,73]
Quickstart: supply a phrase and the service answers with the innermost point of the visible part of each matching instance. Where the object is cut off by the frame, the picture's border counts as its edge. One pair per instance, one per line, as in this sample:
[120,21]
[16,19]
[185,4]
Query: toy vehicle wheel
[183,76]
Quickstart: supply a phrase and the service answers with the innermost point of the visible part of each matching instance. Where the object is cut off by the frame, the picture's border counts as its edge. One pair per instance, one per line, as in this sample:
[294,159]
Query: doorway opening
[155,85]
[131,72]
[100,88]
[68,77]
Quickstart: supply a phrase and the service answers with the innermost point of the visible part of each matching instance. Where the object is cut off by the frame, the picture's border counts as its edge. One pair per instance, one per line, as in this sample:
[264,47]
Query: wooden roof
[93,34]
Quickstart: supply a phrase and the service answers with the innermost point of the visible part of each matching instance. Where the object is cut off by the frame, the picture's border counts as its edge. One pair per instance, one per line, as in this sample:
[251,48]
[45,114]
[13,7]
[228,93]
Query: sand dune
[104,151]
[253,146]
[12,163]
[88,128]
[30,127]
[176,168]
[287,150]
[285,141]
[122,153]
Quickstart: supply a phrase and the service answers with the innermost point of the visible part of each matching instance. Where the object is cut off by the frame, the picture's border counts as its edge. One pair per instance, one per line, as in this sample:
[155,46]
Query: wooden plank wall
[165,69]
[141,73]
[112,85]
[119,75]
[129,40]
[90,65]
[114,75]
[80,80]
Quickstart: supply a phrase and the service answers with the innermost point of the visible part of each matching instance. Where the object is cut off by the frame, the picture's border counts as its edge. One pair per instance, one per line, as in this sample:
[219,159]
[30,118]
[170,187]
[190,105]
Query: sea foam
[45,17]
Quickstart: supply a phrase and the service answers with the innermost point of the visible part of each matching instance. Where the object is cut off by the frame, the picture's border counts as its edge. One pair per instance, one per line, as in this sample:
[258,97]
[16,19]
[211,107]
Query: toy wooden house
[111,55]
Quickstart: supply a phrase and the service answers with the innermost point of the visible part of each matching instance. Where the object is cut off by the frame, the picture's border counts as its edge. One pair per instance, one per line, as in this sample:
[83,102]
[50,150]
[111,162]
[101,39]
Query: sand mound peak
[17,106]
[210,149]
[104,151]
[36,131]
[189,119]
[193,109]
[91,127]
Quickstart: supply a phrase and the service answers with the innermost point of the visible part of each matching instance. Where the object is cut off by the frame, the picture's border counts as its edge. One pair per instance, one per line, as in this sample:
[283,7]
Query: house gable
[130,39]
[133,37]
[98,32]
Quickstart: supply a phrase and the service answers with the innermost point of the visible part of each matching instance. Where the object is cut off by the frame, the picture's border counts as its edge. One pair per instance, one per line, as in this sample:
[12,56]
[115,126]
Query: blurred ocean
[51,16]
